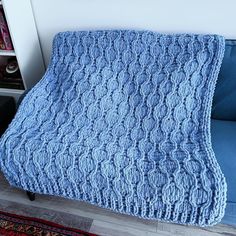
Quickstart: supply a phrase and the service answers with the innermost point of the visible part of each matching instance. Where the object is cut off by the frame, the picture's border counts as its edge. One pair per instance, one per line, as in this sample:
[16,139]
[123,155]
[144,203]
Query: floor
[94,219]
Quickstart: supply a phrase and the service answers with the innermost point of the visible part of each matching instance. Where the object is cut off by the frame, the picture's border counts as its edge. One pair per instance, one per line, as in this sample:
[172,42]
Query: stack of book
[11,83]
[10,76]
[5,39]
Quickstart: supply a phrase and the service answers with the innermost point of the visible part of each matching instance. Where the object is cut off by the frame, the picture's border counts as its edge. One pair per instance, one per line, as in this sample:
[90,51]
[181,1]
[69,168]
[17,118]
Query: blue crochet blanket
[121,120]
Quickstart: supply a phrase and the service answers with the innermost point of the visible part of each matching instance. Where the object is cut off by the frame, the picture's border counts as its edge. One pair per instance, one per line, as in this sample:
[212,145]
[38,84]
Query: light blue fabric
[121,119]
[224,102]
[224,146]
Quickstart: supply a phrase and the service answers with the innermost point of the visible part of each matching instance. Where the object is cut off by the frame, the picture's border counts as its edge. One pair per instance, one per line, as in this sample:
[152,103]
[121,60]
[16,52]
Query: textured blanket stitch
[121,120]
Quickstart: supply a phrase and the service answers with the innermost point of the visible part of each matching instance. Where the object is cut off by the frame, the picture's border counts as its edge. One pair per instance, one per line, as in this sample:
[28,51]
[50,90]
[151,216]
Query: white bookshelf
[7,53]
[16,93]
[27,50]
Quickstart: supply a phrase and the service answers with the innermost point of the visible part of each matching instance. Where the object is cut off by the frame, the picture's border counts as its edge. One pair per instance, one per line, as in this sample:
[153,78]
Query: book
[5,32]
[10,80]
[2,44]
[12,85]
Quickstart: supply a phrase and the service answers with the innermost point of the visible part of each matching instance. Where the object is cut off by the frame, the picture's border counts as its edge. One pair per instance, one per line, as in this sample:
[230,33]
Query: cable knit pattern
[121,119]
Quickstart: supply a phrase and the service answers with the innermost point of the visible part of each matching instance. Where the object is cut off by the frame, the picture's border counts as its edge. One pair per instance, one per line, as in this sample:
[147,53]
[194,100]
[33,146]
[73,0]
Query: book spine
[11,85]
[2,44]
[5,32]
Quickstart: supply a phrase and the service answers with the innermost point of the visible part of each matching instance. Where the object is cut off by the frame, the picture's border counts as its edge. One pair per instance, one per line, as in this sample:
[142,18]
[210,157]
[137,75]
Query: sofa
[223,126]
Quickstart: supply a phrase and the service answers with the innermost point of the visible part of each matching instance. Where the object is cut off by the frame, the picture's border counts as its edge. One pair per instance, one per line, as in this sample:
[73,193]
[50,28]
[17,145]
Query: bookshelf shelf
[8,90]
[7,53]
[16,93]
[27,50]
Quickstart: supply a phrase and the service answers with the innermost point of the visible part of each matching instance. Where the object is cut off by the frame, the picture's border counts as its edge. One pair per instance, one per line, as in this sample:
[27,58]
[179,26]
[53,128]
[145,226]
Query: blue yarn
[121,120]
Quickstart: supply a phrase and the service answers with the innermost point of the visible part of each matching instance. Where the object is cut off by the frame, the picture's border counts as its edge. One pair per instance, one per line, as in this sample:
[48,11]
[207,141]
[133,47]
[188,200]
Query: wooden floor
[94,219]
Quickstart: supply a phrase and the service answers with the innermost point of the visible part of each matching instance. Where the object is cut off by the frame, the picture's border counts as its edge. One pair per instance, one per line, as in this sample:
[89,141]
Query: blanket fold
[121,120]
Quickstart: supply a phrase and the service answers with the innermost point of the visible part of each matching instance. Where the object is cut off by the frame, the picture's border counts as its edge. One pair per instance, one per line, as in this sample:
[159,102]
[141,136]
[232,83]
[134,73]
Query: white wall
[169,16]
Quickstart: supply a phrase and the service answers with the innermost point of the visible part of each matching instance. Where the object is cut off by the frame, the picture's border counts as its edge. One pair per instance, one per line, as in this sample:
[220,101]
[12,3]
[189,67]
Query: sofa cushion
[224,102]
[224,146]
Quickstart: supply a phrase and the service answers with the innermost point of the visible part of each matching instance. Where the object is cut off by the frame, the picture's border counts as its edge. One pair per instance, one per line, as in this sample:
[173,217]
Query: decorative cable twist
[121,119]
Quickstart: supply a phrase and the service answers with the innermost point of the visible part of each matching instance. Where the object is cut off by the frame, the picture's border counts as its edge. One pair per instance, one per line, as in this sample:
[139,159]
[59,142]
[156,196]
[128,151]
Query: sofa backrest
[224,101]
